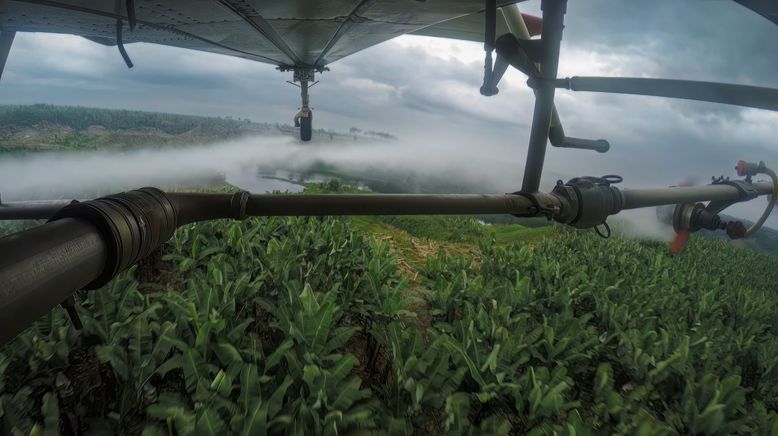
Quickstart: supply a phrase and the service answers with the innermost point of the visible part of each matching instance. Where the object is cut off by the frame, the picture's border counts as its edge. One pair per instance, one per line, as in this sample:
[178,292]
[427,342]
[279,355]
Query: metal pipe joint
[132,225]
[588,201]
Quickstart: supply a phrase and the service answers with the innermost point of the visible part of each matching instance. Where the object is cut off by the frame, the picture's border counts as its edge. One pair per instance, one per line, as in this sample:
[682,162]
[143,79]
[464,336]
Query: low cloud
[425,90]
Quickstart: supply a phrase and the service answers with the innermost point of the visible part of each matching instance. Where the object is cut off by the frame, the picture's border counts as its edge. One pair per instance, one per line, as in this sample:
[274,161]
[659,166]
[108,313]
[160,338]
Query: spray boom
[86,244]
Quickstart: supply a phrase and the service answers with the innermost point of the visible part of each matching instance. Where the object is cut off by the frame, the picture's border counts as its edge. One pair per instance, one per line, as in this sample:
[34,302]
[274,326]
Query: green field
[408,326]
[391,325]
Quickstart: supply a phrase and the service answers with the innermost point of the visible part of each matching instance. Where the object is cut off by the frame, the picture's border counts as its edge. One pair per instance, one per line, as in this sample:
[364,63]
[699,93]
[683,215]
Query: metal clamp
[591,200]
[747,190]
[542,204]
[132,224]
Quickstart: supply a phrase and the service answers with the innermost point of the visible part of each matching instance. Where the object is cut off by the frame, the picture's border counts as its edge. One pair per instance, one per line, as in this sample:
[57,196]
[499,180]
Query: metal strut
[489,86]
[304,93]
[551,37]
[130,5]
[304,117]
[724,93]
[524,54]
[6,41]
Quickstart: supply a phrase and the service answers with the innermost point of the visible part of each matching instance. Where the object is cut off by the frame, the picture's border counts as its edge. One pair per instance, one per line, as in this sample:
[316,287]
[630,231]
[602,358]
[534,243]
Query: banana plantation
[293,326]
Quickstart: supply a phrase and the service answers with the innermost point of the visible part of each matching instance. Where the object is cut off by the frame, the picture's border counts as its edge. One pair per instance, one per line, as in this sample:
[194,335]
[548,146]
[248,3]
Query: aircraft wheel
[306,126]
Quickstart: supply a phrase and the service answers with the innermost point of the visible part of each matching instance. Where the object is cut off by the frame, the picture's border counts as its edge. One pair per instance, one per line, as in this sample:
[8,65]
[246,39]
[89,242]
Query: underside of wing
[471,27]
[284,33]
[198,25]
[765,8]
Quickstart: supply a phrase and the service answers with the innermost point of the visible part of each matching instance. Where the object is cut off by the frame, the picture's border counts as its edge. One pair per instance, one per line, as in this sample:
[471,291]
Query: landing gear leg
[305,115]
[304,118]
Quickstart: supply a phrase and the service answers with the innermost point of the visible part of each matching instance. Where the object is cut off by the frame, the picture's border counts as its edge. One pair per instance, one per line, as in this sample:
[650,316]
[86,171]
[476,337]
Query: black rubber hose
[194,207]
[31,210]
[42,266]
[120,44]
[86,244]
[386,204]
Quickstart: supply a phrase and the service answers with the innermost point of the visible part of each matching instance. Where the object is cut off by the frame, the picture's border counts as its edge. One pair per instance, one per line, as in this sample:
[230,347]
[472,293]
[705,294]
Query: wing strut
[551,37]
[726,93]
[6,41]
[518,50]
[130,4]
[261,26]
[343,28]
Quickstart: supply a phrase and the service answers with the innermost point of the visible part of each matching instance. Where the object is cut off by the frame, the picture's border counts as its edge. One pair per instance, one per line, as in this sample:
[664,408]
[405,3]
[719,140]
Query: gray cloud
[427,89]
[697,39]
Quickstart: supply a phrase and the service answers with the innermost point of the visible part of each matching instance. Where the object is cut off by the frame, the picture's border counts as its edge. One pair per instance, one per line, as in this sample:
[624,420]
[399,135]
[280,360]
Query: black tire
[306,127]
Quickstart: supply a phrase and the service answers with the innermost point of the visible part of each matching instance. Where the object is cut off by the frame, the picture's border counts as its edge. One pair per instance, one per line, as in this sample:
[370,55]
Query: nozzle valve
[749,169]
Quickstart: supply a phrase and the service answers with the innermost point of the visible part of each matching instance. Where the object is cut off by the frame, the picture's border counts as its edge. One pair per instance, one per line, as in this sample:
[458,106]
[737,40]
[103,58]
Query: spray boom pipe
[86,244]
[639,198]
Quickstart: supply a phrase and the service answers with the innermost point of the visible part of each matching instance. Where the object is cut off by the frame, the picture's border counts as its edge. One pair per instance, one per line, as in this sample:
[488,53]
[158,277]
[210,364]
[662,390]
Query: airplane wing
[285,33]
[471,27]
[765,8]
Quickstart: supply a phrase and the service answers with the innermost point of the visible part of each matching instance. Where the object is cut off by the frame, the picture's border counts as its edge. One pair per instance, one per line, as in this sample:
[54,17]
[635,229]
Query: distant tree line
[81,118]
[358,131]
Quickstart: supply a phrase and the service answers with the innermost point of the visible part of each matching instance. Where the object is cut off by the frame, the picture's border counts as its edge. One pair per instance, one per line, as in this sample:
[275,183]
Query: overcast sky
[426,89]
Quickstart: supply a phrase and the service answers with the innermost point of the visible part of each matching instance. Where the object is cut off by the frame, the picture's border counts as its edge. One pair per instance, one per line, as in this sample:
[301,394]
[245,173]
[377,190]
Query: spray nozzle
[749,169]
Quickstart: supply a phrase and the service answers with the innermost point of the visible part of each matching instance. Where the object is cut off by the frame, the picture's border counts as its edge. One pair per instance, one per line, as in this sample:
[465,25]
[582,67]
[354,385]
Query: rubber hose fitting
[132,224]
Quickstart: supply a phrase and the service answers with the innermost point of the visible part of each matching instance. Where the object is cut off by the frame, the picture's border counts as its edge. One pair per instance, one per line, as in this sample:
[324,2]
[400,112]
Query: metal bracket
[70,307]
[303,74]
[745,188]
[524,55]
[542,204]
[512,50]
[318,69]
[294,84]
[556,134]
[533,48]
